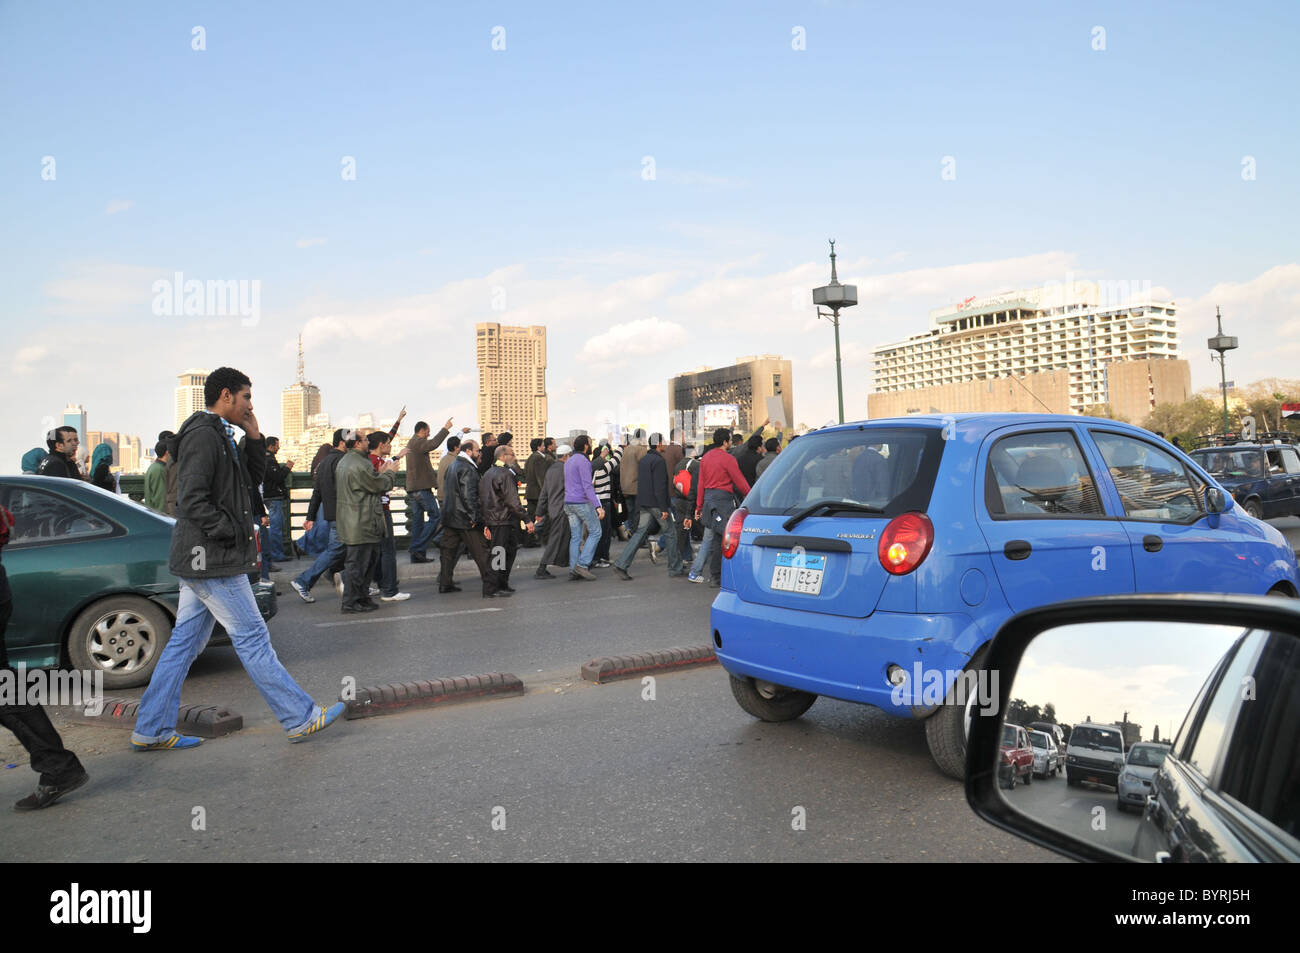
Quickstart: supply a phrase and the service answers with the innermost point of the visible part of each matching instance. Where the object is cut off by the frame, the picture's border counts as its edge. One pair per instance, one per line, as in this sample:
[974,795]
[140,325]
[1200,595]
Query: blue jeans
[203,603]
[717,510]
[333,555]
[384,571]
[275,510]
[650,518]
[418,504]
[314,541]
[582,515]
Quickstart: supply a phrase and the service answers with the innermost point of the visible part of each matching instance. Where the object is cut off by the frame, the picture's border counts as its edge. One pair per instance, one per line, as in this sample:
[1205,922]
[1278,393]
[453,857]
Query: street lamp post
[835,296]
[1222,343]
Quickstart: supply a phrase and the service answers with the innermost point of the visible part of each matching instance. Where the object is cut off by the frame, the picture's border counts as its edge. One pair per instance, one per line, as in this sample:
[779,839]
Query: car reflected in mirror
[1181,723]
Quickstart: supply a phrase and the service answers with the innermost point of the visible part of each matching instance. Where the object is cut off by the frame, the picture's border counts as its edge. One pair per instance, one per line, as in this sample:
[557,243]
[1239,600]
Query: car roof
[981,423]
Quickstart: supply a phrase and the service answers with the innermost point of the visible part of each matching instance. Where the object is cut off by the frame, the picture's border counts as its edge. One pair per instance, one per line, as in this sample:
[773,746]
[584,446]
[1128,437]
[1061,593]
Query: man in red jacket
[720,478]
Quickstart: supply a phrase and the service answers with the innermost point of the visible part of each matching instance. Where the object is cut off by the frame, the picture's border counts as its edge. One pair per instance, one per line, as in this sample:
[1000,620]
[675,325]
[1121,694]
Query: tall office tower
[512,380]
[189,395]
[710,397]
[74,415]
[299,402]
[1066,350]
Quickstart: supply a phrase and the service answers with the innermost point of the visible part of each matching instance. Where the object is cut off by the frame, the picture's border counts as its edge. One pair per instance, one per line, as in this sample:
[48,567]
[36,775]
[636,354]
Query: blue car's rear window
[892,469]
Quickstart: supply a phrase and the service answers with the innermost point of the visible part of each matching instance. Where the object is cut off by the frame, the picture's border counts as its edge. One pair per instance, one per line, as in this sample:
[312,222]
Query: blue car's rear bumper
[844,657]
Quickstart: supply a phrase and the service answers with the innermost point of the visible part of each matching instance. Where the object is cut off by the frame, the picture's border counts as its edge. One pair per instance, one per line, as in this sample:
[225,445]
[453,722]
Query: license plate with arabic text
[798,572]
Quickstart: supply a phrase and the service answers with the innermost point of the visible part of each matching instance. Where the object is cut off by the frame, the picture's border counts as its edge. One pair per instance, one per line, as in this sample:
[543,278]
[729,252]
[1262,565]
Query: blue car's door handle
[1017,549]
[1152,544]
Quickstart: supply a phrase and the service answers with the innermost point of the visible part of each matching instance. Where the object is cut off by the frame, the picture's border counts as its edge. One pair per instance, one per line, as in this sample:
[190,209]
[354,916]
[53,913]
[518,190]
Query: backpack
[683,478]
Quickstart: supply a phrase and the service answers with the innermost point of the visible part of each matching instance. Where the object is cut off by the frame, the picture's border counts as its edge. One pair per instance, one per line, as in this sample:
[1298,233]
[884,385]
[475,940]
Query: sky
[656,185]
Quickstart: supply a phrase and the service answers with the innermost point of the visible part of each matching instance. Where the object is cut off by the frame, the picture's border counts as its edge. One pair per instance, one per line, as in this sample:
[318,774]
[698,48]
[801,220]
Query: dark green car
[91,588]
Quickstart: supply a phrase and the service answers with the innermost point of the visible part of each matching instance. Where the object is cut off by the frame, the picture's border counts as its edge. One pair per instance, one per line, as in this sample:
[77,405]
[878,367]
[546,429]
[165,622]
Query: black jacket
[652,482]
[498,492]
[57,465]
[461,510]
[213,537]
[748,461]
[323,496]
[275,485]
[534,473]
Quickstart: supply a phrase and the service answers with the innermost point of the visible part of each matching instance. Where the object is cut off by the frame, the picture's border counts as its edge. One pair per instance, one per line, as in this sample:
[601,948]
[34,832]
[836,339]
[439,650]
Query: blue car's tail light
[905,543]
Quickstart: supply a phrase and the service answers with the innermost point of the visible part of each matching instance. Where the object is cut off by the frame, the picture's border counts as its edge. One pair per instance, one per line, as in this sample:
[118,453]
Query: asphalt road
[569,771]
[1089,812]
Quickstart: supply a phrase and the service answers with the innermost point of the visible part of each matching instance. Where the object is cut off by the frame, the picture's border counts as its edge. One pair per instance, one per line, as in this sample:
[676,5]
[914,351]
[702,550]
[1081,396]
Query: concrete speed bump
[205,721]
[612,667]
[399,696]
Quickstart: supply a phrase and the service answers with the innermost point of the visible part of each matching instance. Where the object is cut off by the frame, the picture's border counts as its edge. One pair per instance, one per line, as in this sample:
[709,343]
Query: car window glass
[892,469]
[1039,474]
[1099,739]
[1214,719]
[1275,461]
[1231,464]
[41,517]
[1008,735]
[1290,460]
[1152,484]
[1262,766]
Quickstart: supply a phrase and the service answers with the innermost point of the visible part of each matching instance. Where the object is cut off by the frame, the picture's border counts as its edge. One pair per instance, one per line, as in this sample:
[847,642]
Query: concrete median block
[204,721]
[401,696]
[612,667]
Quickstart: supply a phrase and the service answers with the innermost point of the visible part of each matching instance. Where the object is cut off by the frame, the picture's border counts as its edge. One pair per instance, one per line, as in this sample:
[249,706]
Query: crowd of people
[480,501]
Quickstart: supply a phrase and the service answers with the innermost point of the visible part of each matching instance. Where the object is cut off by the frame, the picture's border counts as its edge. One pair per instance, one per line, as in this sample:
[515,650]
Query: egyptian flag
[1291,411]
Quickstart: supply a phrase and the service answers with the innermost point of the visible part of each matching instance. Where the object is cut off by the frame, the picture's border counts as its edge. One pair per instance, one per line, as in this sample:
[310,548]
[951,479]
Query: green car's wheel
[121,636]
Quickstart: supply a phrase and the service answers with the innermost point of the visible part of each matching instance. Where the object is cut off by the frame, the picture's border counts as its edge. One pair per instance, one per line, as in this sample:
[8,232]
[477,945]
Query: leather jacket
[461,510]
[498,493]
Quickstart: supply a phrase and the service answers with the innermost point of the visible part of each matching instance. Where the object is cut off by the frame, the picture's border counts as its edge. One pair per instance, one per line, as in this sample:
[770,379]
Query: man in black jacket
[275,494]
[498,493]
[61,461]
[550,514]
[655,503]
[212,550]
[322,506]
[462,521]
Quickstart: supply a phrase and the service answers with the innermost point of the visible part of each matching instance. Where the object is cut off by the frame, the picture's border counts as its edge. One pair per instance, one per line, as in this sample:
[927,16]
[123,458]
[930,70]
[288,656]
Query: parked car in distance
[1057,734]
[1095,754]
[1140,766]
[1017,756]
[1263,478]
[1046,758]
[91,587]
[875,560]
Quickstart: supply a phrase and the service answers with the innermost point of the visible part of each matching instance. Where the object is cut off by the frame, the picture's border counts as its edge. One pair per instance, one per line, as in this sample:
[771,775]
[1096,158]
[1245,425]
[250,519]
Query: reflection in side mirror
[1158,739]
[1216,501]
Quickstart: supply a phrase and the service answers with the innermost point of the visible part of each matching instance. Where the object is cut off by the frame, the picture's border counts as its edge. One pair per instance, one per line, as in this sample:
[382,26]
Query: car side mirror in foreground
[1216,501]
[1181,717]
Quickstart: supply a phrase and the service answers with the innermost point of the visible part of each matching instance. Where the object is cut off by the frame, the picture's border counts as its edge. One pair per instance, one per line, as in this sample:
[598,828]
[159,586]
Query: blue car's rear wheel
[948,728]
[770,702]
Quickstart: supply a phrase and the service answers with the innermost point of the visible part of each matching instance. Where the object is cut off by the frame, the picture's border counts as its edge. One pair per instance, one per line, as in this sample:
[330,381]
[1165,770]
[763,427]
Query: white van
[1094,753]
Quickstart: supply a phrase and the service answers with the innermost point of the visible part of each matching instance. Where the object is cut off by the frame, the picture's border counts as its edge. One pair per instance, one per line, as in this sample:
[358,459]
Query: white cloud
[309,242]
[635,339]
[1262,312]
[118,205]
[451,383]
[26,357]
[104,290]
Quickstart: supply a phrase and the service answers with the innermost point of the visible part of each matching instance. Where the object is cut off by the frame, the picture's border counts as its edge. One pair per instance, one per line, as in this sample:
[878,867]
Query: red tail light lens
[905,543]
[731,536]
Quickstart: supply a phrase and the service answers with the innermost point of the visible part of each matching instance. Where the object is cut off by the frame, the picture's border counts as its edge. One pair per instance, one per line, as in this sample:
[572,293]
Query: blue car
[873,561]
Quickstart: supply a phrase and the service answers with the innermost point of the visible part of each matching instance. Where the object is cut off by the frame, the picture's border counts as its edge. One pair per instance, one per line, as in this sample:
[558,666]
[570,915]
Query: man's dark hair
[754,442]
[350,439]
[159,449]
[773,445]
[535,444]
[165,435]
[504,439]
[737,439]
[272,442]
[487,436]
[453,444]
[549,443]
[420,425]
[56,436]
[377,439]
[338,437]
[224,378]
[581,443]
[721,436]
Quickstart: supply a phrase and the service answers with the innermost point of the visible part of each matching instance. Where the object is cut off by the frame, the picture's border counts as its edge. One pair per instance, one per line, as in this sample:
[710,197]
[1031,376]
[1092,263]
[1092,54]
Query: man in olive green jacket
[361,524]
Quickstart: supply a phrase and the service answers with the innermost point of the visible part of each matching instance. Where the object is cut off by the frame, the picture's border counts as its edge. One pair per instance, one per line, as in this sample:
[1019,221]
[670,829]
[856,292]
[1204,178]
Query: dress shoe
[360,607]
[420,559]
[542,573]
[47,794]
[449,589]
[499,594]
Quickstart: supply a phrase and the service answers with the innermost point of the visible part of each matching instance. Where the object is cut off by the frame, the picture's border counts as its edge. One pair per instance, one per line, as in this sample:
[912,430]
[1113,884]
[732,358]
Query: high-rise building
[709,397]
[1057,349]
[189,395]
[512,380]
[74,415]
[299,402]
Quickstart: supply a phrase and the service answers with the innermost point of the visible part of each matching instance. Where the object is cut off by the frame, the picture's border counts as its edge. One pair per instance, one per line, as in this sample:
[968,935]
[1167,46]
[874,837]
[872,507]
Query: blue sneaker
[177,740]
[322,719]
[694,577]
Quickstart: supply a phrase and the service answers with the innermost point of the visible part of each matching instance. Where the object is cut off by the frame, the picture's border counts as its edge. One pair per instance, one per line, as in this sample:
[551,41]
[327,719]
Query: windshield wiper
[830,506]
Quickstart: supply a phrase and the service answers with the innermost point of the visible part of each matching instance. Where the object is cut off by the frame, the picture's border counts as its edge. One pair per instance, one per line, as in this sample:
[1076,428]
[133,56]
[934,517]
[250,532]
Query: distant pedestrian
[445,463]
[212,551]
[169,501]
[58,768]
[323,509]
[603,471]
[32,459]
[359,490]
[462,521]
[422,512]
[627,475]
[498,492]
[534,472]
[275,494]
[682,480]
[582,508]
[750,456]
[384,567]
[155,479]
[61,460]
[773,447]
[715,501]
[101,472]
[486,453]
[551,516]
[657,515]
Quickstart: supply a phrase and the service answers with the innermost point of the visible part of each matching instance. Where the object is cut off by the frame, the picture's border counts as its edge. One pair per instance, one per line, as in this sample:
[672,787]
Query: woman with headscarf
[32,459]
[100,473]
